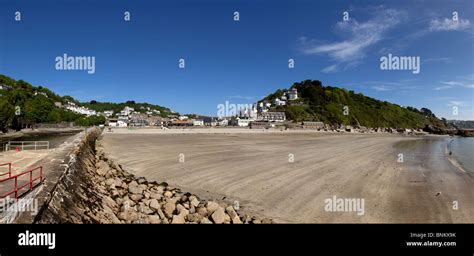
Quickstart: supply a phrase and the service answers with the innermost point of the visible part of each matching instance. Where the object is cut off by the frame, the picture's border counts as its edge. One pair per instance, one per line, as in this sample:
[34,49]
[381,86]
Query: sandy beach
[255,168]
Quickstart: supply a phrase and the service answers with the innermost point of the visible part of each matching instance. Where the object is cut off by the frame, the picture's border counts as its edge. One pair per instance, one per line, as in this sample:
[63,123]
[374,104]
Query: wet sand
[254,169]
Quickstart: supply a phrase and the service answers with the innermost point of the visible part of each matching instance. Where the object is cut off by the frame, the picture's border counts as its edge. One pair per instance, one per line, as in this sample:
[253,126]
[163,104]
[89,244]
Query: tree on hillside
[7,112]
[38,109]
[427,112]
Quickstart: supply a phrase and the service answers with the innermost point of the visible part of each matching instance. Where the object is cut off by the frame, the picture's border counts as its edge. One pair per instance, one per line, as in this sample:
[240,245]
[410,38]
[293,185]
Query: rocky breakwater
[96,190]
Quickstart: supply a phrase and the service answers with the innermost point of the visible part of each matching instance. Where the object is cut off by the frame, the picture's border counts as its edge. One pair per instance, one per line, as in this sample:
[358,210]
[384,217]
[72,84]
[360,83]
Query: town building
[108,113]
[112,122]
[223,122]
[272,116]
[155,120]
[138,119]
[198,122]
[210,121]
[122,122]
[244,122]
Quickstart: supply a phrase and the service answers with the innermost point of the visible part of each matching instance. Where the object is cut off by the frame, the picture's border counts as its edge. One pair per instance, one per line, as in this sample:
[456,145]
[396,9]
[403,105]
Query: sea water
[462,149]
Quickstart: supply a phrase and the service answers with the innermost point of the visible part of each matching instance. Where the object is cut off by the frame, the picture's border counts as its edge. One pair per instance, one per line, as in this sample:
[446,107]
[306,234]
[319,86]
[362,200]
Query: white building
[108,113]
[113,122]
[272,116]
[41,93]
[223,122]
[5,87]
[244,122]
[293,94]
[279,102]
[122,123]
[126,111]
[80,110]
[198,122]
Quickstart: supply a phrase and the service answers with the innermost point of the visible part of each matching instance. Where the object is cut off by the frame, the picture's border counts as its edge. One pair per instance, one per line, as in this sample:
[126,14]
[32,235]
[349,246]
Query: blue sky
[242,61]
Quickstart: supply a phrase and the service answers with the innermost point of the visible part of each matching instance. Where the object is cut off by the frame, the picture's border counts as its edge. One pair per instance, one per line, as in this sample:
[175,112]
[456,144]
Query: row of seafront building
[259,114]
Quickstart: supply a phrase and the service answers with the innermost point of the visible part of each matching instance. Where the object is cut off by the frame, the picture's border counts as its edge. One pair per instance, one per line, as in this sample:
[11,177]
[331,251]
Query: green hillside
[23,104]
[325,103]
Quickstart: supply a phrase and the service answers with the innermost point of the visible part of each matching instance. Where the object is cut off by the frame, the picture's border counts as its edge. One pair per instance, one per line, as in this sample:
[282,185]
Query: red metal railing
[9,173]
[29,184]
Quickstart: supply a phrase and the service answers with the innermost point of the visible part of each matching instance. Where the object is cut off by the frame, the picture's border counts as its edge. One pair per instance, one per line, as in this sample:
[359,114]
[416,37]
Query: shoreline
[453,160]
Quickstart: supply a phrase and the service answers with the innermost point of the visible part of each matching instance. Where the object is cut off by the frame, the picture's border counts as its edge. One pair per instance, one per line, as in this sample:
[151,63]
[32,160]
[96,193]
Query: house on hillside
[127,111]
[108,113]
[293,94]
[4,87]
[279,102]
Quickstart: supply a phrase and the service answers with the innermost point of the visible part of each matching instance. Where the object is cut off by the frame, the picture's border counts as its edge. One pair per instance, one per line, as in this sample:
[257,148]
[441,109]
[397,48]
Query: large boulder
[154,205]
[219,216]
[169,209]
[178,219]
[211,206]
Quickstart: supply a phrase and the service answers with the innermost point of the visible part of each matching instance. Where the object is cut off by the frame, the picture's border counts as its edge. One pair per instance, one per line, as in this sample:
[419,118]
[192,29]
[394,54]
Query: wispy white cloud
[382,88]
[361,35]
[456,103]
[443,87]
[330,69]
[452,84]
[449,25]
[400,85]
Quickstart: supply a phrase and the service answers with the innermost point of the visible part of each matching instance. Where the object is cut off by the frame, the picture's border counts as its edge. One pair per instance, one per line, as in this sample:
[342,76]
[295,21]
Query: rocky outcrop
[439,130]
[96,190]
[466,132]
